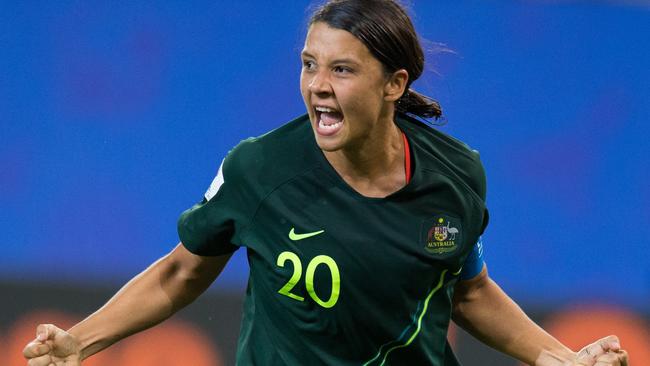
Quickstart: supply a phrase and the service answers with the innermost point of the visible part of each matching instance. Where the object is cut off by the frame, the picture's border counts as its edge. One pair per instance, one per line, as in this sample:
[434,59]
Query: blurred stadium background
[115,116]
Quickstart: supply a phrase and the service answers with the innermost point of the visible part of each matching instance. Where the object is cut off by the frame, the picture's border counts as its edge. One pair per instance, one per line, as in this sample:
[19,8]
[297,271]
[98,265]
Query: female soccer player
[361,223]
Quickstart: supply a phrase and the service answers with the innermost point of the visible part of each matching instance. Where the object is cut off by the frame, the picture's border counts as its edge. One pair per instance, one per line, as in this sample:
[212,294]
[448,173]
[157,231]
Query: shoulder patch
[217,182]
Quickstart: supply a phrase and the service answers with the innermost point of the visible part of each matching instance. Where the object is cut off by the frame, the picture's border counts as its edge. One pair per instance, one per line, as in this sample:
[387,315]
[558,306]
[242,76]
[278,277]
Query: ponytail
[417,104]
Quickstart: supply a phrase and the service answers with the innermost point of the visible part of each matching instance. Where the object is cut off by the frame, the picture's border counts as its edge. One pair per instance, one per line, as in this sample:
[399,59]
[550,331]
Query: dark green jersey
[337,278]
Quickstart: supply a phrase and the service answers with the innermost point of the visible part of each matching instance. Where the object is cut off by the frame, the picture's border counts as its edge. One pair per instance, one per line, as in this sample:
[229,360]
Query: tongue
[330,118]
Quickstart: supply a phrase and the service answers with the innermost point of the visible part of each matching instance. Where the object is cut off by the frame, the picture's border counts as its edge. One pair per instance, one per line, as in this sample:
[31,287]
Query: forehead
[323,41]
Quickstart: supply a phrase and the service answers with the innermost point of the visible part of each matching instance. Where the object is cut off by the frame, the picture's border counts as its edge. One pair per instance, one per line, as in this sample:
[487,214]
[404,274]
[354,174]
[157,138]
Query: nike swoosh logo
[293,236]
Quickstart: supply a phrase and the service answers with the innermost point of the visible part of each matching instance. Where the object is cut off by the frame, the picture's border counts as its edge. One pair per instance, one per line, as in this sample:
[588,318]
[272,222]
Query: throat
[374,174]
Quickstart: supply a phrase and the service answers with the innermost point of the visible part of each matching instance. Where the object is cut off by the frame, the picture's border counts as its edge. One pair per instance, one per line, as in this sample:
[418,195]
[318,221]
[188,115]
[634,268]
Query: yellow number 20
[309,277]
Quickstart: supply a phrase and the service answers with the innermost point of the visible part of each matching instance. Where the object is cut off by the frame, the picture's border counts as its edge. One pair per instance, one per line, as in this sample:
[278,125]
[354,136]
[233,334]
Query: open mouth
[329,120]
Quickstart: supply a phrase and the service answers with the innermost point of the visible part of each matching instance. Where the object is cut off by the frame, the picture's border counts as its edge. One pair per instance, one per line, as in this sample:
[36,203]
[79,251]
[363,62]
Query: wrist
[84,340]
[556,358]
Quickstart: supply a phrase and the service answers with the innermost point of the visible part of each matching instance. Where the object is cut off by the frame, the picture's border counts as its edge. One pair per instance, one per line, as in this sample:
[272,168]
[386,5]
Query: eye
[342,70]
[308,65]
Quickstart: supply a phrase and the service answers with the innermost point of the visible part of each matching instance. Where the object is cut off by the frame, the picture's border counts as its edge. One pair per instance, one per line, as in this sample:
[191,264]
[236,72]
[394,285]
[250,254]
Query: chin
[327,144]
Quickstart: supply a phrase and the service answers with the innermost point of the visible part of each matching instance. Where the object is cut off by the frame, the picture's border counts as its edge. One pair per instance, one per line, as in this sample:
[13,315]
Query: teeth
[329,127]
[325,109]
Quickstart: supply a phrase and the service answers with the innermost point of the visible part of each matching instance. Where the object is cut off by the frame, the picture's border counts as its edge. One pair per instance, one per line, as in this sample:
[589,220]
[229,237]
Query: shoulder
[272,157]
[442,151]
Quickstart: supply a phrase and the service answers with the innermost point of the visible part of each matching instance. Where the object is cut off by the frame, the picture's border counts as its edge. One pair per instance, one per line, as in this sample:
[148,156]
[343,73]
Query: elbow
[178,274]
[459,313]
[460,304]
[185,275]
[466,295]
[178,283]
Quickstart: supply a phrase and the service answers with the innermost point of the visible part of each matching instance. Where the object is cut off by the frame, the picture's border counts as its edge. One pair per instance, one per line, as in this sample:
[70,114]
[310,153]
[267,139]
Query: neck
[375,166]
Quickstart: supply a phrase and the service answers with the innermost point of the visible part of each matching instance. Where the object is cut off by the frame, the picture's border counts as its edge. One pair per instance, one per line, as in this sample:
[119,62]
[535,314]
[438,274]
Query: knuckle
[35,350]
[608,358]
[39,361]
[27,351]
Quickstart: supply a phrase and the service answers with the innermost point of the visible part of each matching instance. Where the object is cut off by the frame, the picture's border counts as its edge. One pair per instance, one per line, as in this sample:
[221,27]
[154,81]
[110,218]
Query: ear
[396,85]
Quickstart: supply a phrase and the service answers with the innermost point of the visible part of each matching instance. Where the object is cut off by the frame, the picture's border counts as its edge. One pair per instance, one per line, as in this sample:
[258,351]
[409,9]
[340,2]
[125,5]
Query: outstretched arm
[166,286]
[486,312]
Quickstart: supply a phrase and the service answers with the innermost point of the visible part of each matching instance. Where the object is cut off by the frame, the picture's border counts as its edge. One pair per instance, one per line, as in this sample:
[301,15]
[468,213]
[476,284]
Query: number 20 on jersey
[309,278]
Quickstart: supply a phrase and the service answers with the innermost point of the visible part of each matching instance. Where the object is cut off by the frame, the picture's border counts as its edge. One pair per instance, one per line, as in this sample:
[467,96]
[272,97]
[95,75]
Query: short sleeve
[209,228]
[480,187]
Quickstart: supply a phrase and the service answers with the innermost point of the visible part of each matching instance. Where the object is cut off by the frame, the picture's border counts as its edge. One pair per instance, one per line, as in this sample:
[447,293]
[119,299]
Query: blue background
[115,117]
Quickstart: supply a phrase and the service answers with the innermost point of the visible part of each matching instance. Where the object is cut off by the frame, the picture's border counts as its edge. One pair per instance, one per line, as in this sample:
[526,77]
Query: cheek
[361,113]
[303,85]
[364,102]
[304,91]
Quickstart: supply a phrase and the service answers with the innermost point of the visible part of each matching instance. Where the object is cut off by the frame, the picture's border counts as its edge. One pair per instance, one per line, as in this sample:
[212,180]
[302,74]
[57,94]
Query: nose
[320,84]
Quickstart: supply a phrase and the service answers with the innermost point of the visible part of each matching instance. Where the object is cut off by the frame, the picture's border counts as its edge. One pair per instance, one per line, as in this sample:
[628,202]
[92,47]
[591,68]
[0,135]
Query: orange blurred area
[581,325]
[173,343]
[452,334]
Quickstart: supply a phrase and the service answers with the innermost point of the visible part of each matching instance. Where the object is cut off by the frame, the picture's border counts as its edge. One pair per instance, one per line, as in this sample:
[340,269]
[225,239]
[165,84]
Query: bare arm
[486,312]
[154,295]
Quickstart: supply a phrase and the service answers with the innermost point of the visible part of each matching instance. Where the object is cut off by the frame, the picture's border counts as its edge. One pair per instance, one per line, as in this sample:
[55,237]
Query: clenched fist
[52,347]
[604,352]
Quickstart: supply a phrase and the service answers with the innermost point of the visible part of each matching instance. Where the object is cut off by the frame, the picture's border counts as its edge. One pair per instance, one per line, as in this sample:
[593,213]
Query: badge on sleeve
[216,184]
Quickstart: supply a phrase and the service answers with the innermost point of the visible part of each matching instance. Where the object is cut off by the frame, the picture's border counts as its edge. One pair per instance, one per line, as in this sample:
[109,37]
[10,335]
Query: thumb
[611,343]
[45,332]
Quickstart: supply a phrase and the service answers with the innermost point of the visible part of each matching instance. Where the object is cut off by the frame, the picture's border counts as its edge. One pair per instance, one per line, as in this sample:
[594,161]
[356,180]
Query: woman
[361,223]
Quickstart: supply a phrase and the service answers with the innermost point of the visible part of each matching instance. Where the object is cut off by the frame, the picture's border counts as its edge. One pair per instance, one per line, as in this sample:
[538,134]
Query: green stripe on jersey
[417,330]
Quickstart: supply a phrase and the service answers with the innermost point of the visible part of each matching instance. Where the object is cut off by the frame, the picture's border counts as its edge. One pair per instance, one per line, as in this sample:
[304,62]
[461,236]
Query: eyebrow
[335,61]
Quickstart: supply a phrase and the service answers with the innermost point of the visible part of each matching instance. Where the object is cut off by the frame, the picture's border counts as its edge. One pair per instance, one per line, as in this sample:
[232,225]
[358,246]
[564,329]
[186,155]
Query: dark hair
[385,28]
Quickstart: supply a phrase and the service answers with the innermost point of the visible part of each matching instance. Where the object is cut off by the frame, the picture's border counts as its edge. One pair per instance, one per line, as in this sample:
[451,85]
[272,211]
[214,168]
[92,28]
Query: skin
[169,284]
[340,72]
[487,313]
